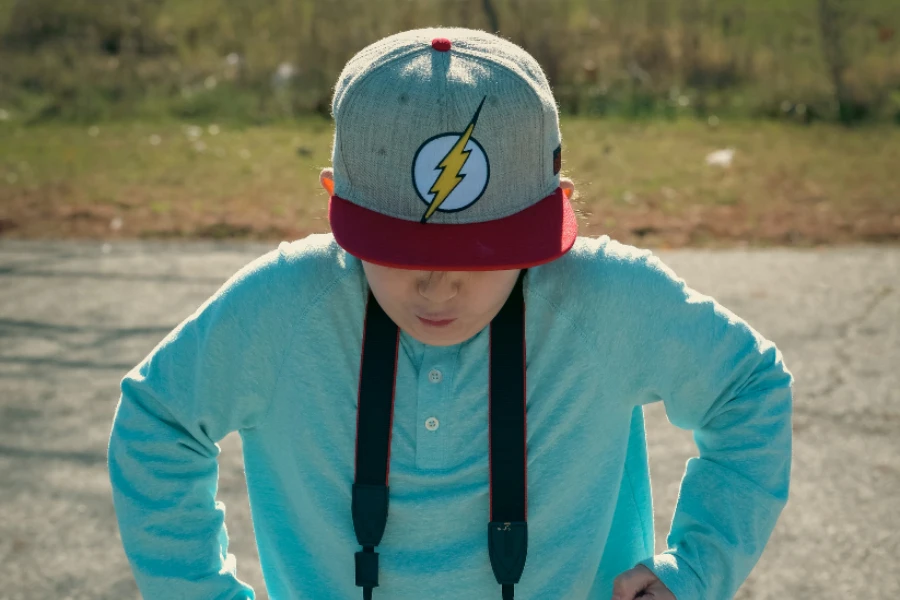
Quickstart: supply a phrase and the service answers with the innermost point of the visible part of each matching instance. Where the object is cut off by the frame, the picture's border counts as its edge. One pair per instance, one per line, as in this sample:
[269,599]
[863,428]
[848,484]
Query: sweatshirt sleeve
[213,374]
[725,382]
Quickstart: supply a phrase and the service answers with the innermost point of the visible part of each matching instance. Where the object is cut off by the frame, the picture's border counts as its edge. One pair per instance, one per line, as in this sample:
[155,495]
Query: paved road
[75,317]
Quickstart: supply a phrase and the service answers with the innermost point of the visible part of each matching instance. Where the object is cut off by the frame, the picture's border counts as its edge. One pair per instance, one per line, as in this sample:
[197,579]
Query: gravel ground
[74,317]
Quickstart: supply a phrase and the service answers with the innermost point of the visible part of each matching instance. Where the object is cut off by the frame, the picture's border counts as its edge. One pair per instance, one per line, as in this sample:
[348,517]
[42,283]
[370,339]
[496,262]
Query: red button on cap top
[440,44]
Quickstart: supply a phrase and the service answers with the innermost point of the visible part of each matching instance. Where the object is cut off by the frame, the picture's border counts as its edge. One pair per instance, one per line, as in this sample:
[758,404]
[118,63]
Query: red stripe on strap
[387,471]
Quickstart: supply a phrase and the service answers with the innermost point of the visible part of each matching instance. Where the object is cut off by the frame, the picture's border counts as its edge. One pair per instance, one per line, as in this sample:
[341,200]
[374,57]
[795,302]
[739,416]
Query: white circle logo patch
[451,171]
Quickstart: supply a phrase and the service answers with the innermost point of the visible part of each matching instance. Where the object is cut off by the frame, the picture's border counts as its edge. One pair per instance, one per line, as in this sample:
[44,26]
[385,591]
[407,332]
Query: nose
[438,287]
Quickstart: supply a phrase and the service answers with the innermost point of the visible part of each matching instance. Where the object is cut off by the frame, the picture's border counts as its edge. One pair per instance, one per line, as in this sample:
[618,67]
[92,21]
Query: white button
[435,376]
[431,423]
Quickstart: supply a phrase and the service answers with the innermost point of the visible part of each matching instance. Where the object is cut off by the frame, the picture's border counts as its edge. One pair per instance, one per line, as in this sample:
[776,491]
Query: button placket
[435,374]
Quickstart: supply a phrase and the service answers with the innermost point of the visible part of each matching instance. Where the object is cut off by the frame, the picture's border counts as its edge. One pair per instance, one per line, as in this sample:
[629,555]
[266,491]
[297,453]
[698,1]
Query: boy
[452,357]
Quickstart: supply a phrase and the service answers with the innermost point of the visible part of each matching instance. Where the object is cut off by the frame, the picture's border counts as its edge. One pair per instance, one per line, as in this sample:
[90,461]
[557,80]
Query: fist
[640,582]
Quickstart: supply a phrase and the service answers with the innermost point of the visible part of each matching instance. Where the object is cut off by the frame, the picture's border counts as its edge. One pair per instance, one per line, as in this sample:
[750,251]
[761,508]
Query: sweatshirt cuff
[676,575]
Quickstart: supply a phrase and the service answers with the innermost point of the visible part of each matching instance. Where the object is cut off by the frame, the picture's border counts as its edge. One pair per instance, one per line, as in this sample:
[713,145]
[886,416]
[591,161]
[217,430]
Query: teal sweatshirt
[274,355]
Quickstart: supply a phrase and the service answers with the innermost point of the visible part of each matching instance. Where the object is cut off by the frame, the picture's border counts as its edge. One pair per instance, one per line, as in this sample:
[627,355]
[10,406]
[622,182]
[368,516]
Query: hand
[640,582]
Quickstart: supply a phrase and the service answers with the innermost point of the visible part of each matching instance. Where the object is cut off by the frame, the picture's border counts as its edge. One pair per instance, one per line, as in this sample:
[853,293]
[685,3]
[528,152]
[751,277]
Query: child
[452,381]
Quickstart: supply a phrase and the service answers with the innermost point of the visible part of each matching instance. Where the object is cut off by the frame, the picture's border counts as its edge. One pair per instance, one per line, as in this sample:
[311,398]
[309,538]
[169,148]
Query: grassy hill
[258,61]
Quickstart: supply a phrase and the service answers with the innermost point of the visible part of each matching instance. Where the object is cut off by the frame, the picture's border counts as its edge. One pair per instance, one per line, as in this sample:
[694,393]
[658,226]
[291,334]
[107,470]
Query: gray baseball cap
[447,155]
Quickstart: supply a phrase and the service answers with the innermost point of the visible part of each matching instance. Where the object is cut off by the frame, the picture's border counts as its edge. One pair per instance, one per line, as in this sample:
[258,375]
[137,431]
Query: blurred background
[685,122]
[151,148]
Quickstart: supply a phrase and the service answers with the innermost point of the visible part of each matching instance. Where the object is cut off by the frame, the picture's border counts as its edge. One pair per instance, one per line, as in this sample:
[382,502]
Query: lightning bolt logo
[450,166]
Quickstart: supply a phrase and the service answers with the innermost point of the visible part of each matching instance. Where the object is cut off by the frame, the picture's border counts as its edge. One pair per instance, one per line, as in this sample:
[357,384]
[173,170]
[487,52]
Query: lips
[437,320]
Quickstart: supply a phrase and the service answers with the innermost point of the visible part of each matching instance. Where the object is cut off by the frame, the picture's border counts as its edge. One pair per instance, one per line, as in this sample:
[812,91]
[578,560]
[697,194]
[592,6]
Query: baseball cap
[447,154]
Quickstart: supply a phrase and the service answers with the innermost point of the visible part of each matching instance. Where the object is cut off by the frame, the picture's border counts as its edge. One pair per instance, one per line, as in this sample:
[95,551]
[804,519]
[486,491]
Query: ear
[568,187]
[326,178]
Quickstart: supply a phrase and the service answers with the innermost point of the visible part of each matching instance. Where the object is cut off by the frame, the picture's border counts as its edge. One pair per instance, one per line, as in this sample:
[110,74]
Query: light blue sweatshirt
[275,353]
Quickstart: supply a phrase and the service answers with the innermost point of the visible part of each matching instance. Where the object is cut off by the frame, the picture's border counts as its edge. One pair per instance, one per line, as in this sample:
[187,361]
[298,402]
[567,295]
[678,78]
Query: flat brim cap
[532,237]
[447,156]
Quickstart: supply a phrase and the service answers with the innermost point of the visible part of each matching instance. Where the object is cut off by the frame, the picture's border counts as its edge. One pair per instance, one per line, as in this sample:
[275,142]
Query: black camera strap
[507,526]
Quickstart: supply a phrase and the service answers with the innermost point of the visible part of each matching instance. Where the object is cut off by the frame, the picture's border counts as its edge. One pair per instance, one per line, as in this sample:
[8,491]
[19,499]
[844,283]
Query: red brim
[532,237]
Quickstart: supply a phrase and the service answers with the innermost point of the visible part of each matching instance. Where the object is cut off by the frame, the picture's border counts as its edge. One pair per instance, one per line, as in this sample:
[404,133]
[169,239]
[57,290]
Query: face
[440,308]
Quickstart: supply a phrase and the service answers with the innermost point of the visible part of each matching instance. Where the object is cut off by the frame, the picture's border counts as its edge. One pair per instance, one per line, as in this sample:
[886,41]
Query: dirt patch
[741,225]
[60,213]
[645,184]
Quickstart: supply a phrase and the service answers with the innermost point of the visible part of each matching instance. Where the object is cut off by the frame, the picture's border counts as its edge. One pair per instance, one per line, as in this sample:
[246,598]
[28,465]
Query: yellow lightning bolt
[450,166]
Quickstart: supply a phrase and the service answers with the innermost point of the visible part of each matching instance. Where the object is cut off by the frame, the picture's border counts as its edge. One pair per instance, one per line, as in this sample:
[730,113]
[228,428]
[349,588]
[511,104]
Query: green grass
[645,183]
[84,61]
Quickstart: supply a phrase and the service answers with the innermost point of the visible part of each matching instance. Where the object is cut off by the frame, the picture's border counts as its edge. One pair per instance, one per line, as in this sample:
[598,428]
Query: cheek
[482,305]
[487,302]
[395,301]
[391,299]
[389,287]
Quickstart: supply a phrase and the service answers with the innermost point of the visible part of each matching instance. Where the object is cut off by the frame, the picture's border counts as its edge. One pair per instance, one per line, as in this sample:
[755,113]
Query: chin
[439,338]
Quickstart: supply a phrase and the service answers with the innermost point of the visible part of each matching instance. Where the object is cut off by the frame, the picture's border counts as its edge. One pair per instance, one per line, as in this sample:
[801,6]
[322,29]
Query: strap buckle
[367,568]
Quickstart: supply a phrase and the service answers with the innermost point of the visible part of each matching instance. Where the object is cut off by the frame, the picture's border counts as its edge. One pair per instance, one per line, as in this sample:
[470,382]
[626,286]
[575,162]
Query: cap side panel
[361,65]
[344,107]
[546,154]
